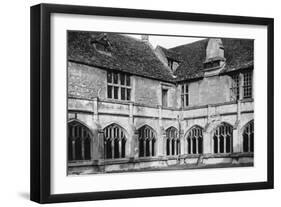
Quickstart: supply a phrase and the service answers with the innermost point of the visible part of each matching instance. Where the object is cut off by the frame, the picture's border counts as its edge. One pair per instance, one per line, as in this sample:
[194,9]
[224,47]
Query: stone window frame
[165,102]
[147,136]
[115,83]
[172,141]
[79,141]
[247,84]
[194,140]
[222,140]
[248,137]
[185,95]
[170,63]
[115,140]
[242,85]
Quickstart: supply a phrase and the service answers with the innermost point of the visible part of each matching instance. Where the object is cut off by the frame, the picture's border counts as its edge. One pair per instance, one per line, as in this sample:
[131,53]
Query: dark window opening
[128,94]
[185,95]
[79,141]
[164,97]
[109,91]
[222,139]
[247,85]
[122,79]
[189,146]
[215,144]
[115,142]
[115,78]
[147,140]
[200,145]
[118,86]
[168,146]
[195,141]
[123,94]
[248,137]
[172,141]
[141,148]
[116,92]
[173,147]
[241,83]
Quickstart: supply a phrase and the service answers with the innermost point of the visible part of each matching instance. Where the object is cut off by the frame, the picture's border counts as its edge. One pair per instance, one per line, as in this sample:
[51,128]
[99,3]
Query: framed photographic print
[133,103]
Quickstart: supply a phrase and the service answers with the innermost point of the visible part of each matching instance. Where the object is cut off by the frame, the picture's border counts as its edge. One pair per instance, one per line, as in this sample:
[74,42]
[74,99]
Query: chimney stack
[214,50]
[145,38]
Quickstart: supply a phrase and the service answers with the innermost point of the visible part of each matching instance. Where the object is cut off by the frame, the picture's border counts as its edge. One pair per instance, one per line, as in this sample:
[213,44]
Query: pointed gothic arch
[194,140]
[172,141]
[115,139]
[223,138]
[79,141]
[147,141]
[248,137]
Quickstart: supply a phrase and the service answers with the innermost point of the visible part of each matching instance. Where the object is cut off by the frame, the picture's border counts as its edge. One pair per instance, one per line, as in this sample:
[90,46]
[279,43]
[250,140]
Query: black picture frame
[41,102]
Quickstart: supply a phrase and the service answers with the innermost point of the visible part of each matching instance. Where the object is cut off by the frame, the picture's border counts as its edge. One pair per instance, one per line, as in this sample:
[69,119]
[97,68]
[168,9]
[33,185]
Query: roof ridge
[191,43]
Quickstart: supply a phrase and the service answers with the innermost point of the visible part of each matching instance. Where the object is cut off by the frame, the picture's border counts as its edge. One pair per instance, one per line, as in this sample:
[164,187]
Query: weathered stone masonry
[214,128]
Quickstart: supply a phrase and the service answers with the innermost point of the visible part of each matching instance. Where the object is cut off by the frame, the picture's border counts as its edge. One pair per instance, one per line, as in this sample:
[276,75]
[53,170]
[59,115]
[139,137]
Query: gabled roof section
[173,55]
[239,54]
[125,54]
[137,57]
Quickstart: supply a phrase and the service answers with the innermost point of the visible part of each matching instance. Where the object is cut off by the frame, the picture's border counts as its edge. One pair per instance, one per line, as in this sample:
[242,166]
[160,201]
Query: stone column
[237,139]
[207,142]
[164,145]
[207,135]
[97,148]
[95,110]
[133,143]
[161,134]
[182,142]
[133,149]
[98,145]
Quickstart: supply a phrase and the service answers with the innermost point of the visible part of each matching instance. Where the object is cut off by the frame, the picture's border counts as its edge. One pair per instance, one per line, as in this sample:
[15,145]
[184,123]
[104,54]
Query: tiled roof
[239,54]
[173,55]
[124,53]
[137,57]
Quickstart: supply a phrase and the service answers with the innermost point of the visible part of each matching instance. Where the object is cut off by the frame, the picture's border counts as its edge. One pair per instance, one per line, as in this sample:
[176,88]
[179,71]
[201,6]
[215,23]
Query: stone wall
[86,81]
[131,117]
[210,106]
[89,82]
[210,90]
[146,91]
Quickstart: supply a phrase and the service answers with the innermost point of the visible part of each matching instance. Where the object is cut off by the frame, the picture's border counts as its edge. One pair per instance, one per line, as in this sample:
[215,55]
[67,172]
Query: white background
[14,84]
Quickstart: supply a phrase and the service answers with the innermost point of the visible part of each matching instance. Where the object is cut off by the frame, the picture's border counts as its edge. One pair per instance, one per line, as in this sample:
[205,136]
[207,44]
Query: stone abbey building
[135,107]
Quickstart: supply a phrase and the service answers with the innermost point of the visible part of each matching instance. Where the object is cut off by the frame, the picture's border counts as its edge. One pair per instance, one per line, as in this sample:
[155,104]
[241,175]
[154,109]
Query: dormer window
[215,60]
[102,47]
[212,64]
[102,44]
[172,64]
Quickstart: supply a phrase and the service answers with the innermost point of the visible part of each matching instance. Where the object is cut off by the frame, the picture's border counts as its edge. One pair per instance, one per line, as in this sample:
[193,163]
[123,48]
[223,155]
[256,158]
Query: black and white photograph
[155,102]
